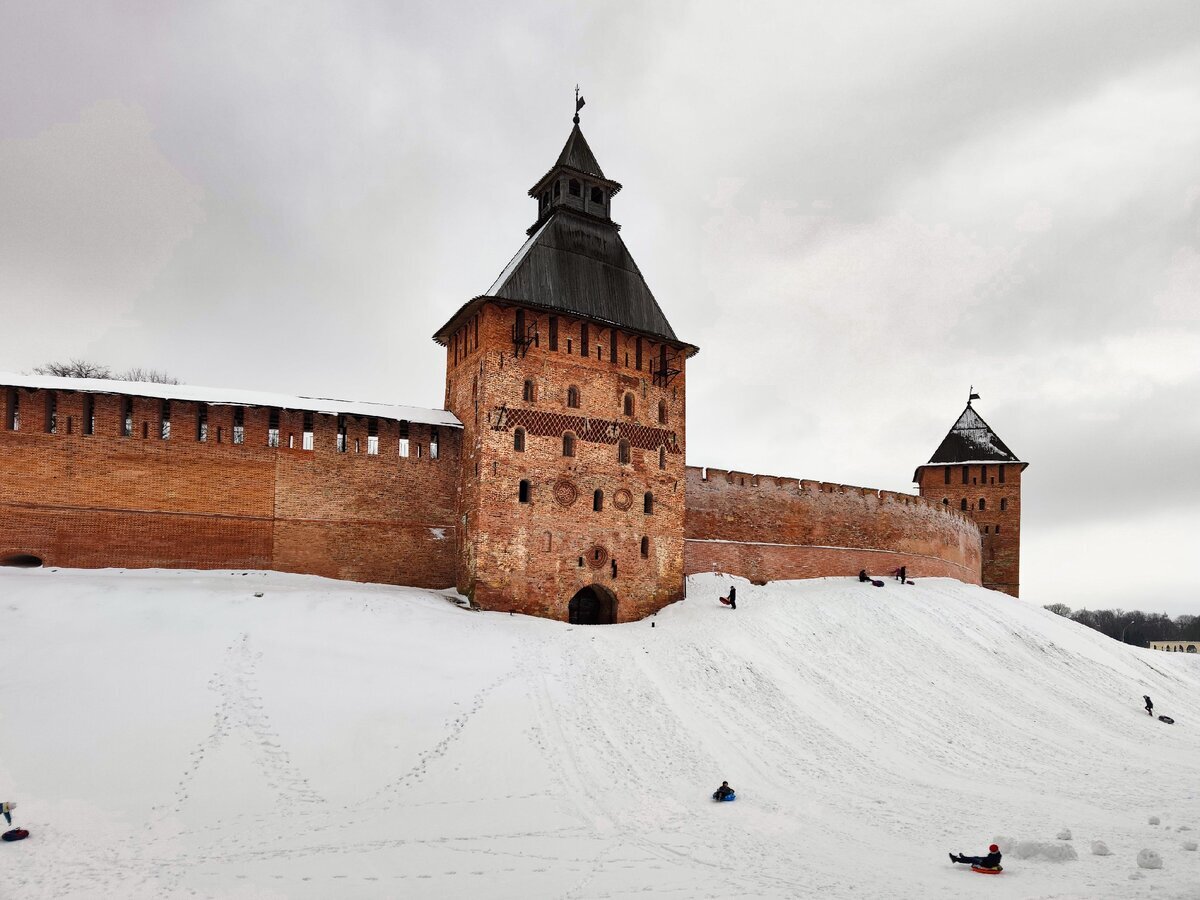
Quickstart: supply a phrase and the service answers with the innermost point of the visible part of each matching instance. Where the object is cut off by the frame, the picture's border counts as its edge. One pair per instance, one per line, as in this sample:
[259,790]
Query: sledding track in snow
[184,739]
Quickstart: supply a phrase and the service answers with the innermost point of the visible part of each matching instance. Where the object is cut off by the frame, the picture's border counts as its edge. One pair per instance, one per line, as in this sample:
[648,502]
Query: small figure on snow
[991,861]
[863,576]
[901,574]
[6,810]
[723,791]
[1149,704]
[732,597]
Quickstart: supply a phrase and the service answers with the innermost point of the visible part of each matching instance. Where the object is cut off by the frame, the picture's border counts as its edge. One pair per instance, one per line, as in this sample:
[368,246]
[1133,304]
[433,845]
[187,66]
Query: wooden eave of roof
[614,187]
[443,334]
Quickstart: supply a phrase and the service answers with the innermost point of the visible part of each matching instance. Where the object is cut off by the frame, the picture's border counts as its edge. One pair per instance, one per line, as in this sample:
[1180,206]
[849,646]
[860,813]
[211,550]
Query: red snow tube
[17,834]
[983,870]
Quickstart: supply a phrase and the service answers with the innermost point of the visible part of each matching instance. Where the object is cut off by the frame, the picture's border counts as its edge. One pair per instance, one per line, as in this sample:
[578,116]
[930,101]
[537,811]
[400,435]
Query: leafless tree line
[83,368]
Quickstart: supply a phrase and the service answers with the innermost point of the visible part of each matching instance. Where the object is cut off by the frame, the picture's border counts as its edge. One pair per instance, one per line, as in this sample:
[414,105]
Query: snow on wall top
[229,397]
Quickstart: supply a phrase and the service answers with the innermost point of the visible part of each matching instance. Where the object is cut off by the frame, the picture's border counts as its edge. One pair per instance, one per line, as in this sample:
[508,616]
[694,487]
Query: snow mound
[1154,820]
[1099,848]
[1044,850]
[332,739]
[1189,845]
[1065,834]
[1149,859]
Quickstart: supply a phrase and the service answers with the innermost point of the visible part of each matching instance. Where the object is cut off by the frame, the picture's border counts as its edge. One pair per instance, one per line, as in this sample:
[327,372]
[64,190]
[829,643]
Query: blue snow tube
[726,798]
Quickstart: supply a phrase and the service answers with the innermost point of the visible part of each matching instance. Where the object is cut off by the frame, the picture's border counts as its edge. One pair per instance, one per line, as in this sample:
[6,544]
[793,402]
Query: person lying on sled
[991,861]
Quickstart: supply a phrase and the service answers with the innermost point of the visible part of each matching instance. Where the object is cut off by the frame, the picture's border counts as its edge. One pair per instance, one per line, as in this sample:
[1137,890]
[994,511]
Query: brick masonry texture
[533,557]
[103,499]
[993,505]
[766,528]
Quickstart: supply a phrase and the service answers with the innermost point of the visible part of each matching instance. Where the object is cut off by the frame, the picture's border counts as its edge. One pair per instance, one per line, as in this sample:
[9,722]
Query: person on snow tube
[723,791]
[991,861]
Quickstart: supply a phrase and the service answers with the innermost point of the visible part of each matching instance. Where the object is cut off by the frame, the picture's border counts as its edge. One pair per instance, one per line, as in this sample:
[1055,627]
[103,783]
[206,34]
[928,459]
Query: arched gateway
[593,605]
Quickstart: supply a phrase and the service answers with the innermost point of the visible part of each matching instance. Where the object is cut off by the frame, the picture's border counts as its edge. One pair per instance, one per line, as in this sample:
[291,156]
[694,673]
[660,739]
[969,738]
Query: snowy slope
[170,735]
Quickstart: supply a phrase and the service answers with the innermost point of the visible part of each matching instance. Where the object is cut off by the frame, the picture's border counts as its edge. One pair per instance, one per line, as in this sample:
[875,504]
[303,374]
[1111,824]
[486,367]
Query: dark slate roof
[576,154]
[971,440]
[578,265]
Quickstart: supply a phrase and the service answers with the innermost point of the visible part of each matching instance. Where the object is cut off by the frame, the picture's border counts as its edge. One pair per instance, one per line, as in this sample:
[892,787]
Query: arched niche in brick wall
[21,560]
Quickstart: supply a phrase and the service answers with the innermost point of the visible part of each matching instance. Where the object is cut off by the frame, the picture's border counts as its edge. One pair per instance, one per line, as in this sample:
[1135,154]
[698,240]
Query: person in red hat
[991,861]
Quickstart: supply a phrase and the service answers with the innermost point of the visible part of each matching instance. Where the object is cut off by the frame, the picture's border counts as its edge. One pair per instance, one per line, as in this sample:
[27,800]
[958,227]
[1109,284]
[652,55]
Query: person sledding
[863,576]
[723,791]
[990,862]
[1149,704]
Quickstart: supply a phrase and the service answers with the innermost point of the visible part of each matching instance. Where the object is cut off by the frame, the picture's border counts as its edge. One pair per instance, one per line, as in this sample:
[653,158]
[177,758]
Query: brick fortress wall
[765,529]
[107,500]
[534,556]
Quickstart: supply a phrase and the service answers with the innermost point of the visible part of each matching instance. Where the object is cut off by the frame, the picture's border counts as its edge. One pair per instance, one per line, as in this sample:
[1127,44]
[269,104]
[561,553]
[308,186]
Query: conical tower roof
[577,155]
[971,440]
[574,261]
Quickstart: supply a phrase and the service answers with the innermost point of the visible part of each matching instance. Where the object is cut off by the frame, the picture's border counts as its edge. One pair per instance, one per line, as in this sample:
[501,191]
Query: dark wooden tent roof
[970,440]
[577,155]
[575,263]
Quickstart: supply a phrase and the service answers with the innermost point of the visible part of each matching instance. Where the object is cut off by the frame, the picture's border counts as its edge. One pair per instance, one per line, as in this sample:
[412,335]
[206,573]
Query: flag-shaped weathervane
[579,101]
[972,395]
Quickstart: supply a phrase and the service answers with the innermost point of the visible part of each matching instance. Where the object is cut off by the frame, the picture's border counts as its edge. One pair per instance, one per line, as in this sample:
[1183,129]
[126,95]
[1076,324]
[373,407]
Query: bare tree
[1059,609]
[75,368]
[82,368]
[157,376]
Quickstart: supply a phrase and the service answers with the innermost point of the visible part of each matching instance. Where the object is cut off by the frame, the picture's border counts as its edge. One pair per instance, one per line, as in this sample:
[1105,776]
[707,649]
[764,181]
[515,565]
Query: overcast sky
[857,211]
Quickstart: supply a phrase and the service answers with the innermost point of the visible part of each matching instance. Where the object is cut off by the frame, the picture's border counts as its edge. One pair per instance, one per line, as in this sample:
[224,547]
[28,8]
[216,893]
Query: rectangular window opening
[201,422]
[306,437]
[404,439]
[239,425]
[273,429]
[164,417]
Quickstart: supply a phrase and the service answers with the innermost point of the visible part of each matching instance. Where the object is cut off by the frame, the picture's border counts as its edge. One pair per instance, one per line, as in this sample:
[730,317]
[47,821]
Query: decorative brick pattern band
[598,431]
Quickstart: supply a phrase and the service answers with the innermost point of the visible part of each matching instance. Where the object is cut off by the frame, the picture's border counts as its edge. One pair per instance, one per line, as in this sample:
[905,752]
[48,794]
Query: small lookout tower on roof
[974,471]
[571,385]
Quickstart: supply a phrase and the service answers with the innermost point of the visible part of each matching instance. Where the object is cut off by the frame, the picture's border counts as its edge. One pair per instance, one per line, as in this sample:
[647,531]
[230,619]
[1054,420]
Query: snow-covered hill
[172,735]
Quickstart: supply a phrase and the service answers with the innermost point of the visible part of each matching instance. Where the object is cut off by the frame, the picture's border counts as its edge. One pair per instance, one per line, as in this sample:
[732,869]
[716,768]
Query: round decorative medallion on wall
[596,556]
[622,499]
[565,492]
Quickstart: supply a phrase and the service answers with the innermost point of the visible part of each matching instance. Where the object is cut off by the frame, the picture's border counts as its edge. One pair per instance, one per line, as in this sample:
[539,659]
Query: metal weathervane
[579,101]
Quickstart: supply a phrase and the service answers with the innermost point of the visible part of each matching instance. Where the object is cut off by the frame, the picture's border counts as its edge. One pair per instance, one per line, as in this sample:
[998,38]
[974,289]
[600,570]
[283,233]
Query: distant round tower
[973,471]
[570,385]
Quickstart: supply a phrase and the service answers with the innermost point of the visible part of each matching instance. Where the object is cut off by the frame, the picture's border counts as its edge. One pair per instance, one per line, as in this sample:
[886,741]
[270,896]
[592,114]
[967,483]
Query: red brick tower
[570,385]
[974,471]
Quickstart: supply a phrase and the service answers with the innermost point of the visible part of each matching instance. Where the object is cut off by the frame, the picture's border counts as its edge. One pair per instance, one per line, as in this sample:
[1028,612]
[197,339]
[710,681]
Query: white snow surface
[232,397]
[169,735]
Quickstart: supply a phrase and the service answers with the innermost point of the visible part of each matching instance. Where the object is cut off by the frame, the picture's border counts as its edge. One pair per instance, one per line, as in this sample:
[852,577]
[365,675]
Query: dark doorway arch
[21,561]
[593,605]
